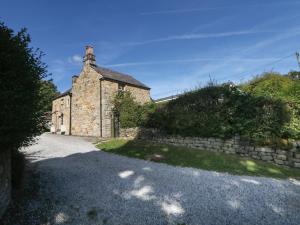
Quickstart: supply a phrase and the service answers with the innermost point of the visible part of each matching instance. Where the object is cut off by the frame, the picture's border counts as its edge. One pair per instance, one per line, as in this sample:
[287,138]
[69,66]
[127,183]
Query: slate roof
[67,92]
[111,75]
[166,99]
[117,76]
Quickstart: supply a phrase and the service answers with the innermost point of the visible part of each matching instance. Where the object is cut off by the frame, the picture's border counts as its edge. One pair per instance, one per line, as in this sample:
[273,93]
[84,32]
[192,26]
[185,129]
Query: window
[121,87]
[62,119]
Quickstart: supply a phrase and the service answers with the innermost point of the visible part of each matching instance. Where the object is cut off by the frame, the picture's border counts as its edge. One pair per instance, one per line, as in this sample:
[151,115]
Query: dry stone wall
[5,180]
[231,146]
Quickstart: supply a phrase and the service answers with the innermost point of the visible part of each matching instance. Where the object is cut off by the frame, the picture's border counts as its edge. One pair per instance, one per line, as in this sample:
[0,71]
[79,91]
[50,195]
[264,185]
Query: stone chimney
[89,57]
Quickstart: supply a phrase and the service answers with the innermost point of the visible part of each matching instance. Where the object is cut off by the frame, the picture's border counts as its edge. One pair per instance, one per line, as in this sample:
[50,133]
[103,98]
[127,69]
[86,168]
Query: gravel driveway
[79,184]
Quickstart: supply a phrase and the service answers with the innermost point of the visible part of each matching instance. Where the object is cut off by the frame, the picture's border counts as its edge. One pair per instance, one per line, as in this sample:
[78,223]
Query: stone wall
[85,113]
[108,92]
[231,146]
[141,95]
[61,106]
[5,180]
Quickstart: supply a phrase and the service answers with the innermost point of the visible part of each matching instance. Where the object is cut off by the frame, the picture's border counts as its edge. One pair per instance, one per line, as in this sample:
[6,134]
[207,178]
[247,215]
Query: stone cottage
[86,108]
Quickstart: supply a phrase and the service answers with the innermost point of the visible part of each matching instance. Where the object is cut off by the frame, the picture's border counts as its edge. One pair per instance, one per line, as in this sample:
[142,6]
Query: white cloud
[75,59]
[237,59]
[192,36]
[191,60]
[178,11]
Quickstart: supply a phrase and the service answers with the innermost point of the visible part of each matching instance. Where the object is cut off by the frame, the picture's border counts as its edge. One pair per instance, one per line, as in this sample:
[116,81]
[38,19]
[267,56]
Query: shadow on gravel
[102,188]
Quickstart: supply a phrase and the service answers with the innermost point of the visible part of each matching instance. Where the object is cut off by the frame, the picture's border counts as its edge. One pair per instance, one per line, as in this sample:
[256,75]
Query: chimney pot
[89,50]
[89,57]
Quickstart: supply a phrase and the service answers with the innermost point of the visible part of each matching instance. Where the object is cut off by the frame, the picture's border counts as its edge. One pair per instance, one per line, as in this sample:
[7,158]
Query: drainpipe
[100,107]
[70,122]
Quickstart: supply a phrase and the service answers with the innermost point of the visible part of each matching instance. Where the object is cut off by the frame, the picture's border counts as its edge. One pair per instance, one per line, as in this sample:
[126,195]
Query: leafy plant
[21,72]
[130,113]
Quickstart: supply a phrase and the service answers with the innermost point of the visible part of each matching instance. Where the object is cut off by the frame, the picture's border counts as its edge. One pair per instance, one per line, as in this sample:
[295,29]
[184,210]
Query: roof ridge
[111,70]
[118,76]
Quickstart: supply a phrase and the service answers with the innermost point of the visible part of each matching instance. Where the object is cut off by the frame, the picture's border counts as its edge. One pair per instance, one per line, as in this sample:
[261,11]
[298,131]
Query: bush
[264,110]
[21,72]
[283,88]
[222,111]
[129,112]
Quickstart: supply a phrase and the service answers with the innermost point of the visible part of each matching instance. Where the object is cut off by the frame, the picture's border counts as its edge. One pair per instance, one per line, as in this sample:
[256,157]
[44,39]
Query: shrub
[283,88]
[222,111]
[129,112]
[264,110]
[21,71]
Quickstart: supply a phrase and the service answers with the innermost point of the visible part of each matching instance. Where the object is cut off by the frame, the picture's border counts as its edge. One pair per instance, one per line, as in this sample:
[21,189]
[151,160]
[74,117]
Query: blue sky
[171,46]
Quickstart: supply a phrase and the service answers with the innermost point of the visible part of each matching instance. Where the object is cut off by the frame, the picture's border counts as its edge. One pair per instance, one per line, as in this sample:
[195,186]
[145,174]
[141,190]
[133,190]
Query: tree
[48,92]
[127,110]
[21,72]
[130,112]
[285,88]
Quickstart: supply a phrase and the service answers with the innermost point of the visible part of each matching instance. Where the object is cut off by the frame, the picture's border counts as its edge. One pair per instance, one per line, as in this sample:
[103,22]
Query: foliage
[294,75]
[21,72]
[130,113]
[48,91]
[264,110]
[283,88]
[222,111]
[187,157]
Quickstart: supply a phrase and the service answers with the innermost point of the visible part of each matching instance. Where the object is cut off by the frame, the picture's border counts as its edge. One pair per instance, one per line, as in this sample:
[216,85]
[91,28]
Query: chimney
[89,57]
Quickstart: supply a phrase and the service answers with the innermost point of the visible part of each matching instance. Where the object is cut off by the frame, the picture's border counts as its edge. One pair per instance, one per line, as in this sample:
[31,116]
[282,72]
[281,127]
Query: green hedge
[265,110]
[222,111]
[21,73]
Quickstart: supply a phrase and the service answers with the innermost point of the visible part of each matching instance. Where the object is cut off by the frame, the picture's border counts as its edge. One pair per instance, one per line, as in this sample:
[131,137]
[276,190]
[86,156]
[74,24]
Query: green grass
[202,159]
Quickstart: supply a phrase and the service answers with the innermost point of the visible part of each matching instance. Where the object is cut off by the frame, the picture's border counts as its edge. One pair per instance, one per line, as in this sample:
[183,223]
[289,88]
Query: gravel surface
[79,184]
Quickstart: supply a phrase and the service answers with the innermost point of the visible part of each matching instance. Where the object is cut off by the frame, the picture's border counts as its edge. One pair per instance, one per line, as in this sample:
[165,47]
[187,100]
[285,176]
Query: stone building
[86,108]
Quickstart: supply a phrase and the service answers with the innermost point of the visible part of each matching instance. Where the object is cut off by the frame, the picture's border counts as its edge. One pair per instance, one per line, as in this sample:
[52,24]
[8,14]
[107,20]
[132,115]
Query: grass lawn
[202,159]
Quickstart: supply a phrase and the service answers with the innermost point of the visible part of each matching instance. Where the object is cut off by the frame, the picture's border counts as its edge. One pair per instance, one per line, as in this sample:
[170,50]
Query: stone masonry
[85,114]
[61,110]
[87,106]
[5,180]
[280,157]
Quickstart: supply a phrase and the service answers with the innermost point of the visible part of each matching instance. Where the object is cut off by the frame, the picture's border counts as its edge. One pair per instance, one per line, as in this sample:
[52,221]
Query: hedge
[266,109]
